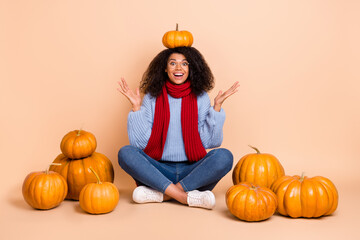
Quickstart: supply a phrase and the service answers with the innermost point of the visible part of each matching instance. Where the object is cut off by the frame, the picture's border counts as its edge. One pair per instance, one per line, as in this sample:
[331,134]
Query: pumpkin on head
[173,39]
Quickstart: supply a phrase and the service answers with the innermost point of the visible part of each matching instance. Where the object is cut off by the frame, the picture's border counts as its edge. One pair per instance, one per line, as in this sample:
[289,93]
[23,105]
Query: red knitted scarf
[189,123]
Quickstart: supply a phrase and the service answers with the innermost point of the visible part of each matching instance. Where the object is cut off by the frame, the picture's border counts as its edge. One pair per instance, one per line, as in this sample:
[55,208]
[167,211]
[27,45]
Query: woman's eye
[185,64]
[172,63]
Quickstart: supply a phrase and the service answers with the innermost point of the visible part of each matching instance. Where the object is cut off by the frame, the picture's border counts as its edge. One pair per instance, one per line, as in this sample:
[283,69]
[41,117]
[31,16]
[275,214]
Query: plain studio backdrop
[297,63]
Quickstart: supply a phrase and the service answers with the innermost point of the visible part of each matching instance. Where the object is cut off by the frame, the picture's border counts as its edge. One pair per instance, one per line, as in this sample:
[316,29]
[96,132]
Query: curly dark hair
[200,75]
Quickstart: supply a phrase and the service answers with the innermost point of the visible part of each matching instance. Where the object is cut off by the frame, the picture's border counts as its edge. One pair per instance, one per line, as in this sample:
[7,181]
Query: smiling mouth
[178,75]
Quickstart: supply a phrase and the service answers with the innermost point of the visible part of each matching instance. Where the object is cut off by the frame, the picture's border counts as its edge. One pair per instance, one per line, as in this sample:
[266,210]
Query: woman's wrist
[135,108]
[217,107]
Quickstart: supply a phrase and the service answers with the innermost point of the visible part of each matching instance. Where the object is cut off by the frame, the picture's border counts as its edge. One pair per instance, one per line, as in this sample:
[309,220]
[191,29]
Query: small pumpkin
[99,197]
[250,202]
[77,172]
[305,197]
[78,144]
[259,168]
[173,39]
[44,190]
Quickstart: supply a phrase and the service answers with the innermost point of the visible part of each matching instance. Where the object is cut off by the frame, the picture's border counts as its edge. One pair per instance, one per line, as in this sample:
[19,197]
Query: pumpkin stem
[52,164]
[253,187]
[302,177]
[257,150]
[78,134]
[177,27]
[97,176]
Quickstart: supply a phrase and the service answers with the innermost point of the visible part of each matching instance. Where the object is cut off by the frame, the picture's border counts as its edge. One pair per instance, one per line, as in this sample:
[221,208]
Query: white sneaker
[143,194]
[204,199]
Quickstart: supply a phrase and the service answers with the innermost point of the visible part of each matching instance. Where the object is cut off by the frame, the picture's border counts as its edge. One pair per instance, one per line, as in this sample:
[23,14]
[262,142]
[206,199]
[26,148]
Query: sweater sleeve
[211,123]
[140,123]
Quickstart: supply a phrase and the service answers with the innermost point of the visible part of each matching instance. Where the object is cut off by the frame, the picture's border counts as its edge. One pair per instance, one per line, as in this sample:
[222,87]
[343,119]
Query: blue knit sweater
[210,125]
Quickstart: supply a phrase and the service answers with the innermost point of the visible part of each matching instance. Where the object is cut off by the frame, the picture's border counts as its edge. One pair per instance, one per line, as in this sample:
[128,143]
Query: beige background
[298,66]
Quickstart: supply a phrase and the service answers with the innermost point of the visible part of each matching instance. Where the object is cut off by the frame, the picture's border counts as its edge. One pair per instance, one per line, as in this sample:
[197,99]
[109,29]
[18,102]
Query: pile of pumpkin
[261,188]
[78,173]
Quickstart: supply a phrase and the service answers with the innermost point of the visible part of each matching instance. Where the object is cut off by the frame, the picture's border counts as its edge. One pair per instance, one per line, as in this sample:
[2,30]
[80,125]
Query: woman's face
[177,68]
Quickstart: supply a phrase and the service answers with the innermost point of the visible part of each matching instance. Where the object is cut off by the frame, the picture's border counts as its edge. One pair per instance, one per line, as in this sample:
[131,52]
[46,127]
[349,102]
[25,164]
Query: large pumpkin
[173,39]
[99,197]
[305,197]
[44,190]
[77,172]
[259,168]
[250,202]
[78,144]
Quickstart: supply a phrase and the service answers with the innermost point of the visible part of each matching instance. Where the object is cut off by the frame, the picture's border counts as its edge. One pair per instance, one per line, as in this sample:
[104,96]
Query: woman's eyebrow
[175,59]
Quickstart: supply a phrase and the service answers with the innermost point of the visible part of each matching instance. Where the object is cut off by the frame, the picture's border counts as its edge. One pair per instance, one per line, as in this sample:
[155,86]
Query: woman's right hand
[134,97]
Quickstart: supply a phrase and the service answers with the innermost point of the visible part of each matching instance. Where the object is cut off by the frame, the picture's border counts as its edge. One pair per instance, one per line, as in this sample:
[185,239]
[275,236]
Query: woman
[170,130]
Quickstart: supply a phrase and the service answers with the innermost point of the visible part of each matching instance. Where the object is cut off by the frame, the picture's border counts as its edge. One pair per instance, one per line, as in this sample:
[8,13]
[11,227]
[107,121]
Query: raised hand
[133,97]
[221,97]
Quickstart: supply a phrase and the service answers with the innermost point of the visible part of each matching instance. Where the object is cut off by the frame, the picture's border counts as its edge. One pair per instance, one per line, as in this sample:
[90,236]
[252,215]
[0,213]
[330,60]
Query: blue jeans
[201,175]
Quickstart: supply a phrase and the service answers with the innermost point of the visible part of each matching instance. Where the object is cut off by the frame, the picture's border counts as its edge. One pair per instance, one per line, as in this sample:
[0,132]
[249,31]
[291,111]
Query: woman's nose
[178,66]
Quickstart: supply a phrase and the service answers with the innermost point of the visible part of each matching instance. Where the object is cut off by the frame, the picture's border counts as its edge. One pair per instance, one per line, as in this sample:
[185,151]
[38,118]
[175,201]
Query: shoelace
[152,195]
[198,200]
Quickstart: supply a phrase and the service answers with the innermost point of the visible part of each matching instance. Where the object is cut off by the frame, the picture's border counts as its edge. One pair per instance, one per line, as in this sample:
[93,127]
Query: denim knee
[224,160]
[125,154]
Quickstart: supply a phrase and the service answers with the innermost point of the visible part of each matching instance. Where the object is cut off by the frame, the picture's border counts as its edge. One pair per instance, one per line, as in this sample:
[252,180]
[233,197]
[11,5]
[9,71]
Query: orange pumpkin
[77,172]
[305,197]
[100,197]
[78,144]
[259,168]
[173,39]
[250,202]
[44,190]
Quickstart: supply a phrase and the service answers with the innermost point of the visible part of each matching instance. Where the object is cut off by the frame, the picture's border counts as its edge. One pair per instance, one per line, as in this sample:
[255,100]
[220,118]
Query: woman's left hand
[220,98]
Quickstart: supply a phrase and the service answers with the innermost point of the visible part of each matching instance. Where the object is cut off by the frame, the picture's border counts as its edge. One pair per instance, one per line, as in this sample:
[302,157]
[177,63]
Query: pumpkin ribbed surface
[259,168]
[98,198]
[77,172]
[249,202]
[78,144]
[43,190]
[305,197]
[173,39]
